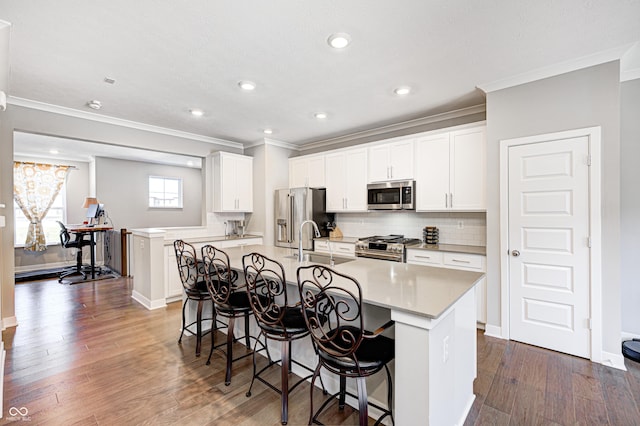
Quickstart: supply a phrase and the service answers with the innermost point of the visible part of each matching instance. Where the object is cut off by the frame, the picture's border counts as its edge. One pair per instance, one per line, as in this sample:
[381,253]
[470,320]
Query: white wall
[123,187]
[630,206]
[270,172]
[584,98]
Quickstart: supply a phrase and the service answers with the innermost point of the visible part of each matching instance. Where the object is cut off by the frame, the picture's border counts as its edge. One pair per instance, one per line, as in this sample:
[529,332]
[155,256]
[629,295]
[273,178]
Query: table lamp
[88,201]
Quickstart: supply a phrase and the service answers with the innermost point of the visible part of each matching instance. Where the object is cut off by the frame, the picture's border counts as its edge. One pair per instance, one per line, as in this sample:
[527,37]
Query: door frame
[595,256]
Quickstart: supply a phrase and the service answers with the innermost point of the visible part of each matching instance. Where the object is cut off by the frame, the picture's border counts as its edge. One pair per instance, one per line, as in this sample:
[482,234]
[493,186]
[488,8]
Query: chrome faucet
[315,230]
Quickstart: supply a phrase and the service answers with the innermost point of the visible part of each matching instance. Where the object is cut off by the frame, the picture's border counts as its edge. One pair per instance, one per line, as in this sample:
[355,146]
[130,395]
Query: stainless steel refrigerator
[295,205]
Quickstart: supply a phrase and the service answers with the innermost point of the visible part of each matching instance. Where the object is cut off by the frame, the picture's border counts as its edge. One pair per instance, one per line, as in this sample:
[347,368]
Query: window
[165,192]
[57,212]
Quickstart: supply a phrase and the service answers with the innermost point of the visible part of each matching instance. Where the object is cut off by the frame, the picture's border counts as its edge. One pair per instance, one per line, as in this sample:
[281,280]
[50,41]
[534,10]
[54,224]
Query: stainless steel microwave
[398,195]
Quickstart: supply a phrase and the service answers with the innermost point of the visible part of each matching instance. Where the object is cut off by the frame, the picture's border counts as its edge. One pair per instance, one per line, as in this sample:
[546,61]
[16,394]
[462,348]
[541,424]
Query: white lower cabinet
[337,248]
[172,283]
[462,261]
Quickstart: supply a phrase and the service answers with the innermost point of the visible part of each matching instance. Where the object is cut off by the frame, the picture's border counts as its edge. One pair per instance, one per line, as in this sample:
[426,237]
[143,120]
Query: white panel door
[549,279]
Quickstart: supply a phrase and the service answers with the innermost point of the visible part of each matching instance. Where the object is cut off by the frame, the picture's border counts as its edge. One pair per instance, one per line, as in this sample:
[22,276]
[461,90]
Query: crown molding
[397,127]
[629,75]
[557,69]
[274,142]
[70,112]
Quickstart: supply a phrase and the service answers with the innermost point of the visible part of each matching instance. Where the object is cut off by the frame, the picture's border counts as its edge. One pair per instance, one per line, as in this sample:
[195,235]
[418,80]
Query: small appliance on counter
[430,235]
[234,228]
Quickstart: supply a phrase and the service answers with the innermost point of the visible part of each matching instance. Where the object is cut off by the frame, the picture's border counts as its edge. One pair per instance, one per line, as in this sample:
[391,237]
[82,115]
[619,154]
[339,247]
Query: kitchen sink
[320,258]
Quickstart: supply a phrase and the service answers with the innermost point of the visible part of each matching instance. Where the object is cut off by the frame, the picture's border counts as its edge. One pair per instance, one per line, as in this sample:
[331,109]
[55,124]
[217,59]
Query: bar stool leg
[199,328]
[227,378]
[284,370]
[362,401]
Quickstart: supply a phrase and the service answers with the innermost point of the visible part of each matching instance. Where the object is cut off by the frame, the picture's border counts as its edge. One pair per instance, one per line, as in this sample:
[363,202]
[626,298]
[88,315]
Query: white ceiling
[170,56]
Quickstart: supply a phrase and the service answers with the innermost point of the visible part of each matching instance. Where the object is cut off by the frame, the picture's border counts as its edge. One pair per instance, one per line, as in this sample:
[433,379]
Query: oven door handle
[381,256]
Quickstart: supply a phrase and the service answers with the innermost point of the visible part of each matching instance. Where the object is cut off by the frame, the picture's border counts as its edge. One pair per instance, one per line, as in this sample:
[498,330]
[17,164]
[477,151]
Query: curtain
[35,187]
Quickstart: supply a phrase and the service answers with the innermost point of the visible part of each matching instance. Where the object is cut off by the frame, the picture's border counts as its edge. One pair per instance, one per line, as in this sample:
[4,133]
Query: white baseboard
[467,410]
[9,322]
[147,303]
[629,336]
[493,331]
[613,360]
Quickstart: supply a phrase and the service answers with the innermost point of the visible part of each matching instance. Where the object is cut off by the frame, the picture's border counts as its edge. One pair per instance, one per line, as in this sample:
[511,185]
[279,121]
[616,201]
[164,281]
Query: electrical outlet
[445,349]
[461,224]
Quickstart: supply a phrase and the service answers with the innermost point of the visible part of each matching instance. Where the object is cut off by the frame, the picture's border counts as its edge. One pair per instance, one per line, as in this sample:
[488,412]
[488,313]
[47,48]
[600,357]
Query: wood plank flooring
[87,354]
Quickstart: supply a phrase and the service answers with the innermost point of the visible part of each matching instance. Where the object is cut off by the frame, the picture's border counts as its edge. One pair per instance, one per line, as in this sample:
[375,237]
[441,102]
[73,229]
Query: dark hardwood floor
[87,354]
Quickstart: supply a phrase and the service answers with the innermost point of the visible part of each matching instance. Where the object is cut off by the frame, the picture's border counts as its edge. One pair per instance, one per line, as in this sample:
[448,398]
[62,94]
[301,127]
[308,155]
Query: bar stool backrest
[218,274]
[188,266]
[332,308]
[267,288]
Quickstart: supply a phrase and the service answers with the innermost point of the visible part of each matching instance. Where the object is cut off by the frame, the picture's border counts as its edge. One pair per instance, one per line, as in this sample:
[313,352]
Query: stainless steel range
[388,247]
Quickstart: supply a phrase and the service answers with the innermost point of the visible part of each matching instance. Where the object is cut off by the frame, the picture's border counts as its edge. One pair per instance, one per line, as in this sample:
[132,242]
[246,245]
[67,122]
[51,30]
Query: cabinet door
[432,173]
[356,180]
[468,170]
[244,184]
[315,169]
[379,163]
[298,176]
[335,176]
[392,161]
[227,184]
[401,160]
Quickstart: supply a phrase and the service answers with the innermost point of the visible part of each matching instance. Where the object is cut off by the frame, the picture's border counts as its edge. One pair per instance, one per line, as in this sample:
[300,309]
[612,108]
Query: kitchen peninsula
[434,310]
[435,330]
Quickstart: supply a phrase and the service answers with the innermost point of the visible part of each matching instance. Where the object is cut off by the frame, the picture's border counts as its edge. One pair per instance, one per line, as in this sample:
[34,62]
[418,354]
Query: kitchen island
[435,330]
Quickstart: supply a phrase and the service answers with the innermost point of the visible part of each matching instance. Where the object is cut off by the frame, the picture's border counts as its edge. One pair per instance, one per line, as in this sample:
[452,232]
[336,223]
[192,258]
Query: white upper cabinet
[306,171]
[346,180]
[233,183]
[391,161]
[451,171]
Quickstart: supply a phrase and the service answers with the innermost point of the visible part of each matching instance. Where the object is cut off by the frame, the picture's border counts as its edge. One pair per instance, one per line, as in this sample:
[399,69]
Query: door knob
[515,253]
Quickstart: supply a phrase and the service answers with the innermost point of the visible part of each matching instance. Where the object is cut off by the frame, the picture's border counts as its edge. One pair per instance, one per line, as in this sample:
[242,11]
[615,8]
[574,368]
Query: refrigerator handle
[291,209]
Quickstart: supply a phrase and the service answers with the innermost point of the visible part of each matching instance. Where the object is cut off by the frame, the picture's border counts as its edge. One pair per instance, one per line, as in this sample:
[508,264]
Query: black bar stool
[279,321]
[191,274]
[332,308]
[231,301]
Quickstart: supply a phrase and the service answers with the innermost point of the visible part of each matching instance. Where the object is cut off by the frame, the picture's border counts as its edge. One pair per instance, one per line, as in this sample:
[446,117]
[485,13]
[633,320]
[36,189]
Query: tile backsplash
[455,228]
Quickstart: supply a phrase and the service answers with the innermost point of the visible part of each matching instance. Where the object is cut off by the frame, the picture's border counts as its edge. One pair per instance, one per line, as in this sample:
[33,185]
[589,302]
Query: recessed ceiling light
[197,112]
[247,85]
[53,151]
[403,90]
[339,40]
[109,80]
[267,131]
[94,104]
[320,115]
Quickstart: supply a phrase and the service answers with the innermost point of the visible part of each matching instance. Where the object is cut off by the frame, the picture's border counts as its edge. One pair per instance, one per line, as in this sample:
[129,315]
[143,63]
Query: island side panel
[435,365]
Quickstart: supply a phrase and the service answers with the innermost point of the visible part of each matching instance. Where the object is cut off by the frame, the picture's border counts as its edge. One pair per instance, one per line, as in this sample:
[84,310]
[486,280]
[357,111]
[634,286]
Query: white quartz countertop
[454,248]
[350,240]
[415,289]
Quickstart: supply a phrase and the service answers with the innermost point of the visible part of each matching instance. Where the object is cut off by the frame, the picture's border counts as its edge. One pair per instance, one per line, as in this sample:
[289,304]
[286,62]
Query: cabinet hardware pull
[446,200]
[423,257]
[451,199]
[460,261]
